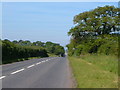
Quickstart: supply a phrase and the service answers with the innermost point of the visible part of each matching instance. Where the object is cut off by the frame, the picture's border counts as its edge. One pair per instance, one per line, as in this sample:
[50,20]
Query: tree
[92,26]
[102,20]
[24,43]
[55,48]
[38,43]
[15,42]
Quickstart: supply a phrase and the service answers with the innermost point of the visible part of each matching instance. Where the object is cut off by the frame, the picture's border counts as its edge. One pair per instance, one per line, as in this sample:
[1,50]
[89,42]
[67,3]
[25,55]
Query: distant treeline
[95,32]
[21,50]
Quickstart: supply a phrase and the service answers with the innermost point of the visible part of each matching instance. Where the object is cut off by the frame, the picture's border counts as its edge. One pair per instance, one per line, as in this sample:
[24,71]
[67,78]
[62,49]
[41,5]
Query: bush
[106,44]
[108,48]
[12,52]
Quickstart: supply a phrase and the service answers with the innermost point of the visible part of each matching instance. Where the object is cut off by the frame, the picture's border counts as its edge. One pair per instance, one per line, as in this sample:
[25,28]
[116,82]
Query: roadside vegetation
[93,50]
[13,51]
[93,71]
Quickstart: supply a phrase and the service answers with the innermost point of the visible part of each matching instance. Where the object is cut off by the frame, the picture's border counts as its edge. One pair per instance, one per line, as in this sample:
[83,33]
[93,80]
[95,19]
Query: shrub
[12,52]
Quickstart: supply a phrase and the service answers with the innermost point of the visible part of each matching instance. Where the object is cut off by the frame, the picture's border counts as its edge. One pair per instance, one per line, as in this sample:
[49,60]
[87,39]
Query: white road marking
[46,60]
[18,71]
[2,77]
[31,66]
[38,63]
[27,67]
[43,61]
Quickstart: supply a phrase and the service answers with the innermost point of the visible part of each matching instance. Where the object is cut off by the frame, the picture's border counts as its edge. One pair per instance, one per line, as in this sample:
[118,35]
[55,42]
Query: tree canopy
[93,27]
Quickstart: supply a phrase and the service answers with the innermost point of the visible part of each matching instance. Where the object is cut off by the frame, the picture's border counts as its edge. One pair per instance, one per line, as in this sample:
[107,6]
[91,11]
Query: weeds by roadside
[92,71]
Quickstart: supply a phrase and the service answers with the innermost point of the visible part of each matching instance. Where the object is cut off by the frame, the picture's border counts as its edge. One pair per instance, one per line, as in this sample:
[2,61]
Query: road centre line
[31,66]
[24,69]
[43,61]
[2,77]
[18,71]
[38,63]
[46,60]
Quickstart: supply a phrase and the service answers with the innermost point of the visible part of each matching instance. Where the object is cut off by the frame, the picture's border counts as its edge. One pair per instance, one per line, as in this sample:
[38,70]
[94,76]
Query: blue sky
[42,21]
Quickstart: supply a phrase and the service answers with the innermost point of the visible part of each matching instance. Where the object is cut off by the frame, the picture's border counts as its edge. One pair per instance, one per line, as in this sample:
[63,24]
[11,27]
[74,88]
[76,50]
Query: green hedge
[107,45]
[12,52]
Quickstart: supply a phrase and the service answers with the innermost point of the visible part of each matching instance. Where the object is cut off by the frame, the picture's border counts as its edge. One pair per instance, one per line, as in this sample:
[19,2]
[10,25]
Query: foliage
[95,31]
[94,40]
[52,48]
[101,20]
[20,50]
[12,52]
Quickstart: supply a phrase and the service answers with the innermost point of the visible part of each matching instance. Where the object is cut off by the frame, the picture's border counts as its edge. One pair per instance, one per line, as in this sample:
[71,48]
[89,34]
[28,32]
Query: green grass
[52,55]
[108,63]
[95,71]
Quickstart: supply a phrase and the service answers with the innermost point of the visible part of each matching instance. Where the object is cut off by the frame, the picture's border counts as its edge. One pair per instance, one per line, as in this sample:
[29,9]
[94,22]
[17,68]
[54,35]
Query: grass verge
[95,71]
[52,55]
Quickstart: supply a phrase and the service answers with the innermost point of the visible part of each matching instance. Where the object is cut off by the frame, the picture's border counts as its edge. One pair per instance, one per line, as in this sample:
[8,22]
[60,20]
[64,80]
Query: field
[95,71]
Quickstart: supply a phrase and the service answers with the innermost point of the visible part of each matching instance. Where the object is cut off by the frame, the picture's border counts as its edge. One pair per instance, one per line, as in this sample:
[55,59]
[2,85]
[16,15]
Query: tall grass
[95,71]
[105,62]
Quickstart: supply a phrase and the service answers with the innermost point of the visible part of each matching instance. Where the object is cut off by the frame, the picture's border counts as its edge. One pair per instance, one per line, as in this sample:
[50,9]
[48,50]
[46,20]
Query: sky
[42,21]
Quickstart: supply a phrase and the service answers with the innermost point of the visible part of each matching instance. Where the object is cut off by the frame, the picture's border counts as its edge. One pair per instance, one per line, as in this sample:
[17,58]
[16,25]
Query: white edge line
[2,77]
[18,71]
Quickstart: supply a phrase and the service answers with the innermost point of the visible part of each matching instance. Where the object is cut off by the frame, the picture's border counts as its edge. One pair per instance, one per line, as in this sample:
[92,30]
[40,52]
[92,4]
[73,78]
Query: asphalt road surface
[51,72]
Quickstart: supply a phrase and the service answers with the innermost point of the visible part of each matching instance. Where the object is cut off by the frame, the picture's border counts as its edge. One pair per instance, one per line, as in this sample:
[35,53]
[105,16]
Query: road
[51,72]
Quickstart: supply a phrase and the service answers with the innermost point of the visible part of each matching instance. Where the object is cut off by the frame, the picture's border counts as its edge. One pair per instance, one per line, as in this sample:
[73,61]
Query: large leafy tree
[92,27]
[100,21]
[38,43]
